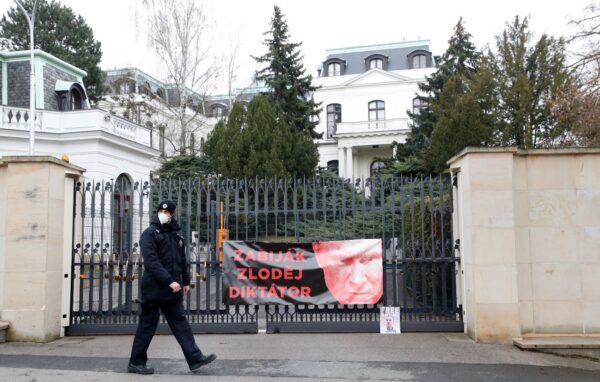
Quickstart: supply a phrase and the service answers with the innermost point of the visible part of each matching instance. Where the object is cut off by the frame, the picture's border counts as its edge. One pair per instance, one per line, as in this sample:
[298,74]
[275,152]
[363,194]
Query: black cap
[167,205]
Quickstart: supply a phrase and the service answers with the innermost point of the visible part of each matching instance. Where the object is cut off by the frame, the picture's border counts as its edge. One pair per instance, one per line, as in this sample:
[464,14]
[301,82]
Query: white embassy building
[366,92]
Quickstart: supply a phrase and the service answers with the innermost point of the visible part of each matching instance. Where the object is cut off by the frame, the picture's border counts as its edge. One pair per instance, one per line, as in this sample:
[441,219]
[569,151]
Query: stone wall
[51,75]
[36,222]
[529,230]
[18,83]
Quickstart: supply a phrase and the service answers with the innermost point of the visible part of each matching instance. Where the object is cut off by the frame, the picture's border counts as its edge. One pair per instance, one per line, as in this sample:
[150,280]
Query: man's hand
[175,287]
[186,288]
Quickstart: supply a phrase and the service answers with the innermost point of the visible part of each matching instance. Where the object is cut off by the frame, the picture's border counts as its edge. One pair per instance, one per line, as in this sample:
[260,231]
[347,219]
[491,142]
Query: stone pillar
[529,228]
[349,163]
[36,225]
[342,162]
[484,193]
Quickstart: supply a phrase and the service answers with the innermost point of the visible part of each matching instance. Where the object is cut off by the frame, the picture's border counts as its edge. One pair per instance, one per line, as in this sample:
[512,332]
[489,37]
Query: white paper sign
[389,319]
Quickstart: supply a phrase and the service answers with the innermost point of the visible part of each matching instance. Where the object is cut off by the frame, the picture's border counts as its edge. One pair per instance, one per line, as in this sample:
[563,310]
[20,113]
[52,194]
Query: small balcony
[372,127]
[73,122]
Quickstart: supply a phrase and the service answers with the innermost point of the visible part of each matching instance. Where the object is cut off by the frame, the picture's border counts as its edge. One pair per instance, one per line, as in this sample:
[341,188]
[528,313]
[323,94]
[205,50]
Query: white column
[349,163]
[341,162]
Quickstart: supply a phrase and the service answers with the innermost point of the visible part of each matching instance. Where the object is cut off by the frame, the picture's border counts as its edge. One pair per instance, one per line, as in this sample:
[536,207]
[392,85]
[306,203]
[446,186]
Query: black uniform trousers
[148,321]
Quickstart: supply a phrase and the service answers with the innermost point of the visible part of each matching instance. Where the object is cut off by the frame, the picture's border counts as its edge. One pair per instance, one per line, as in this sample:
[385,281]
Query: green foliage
[266,140]
[284,74]
[183,167]
[259,143]
[503,98]
[462,119]
[407,165]
[461,58]
[60,32]
[224,149]
[528,79]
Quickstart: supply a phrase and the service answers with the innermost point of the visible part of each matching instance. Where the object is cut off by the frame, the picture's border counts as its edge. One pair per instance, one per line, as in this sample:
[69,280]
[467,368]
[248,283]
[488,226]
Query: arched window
[70,95]
[419,61]
[122,217]
[333,165]
[160,93]
[376,110]
[334,116]
[218,111]
[376,63]
[124,85]
[145,88]
[419,58]
[76,101]
[334,67]
[375,167]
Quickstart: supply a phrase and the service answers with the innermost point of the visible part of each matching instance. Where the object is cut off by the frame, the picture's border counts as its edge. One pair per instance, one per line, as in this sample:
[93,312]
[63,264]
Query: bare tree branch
[180,35]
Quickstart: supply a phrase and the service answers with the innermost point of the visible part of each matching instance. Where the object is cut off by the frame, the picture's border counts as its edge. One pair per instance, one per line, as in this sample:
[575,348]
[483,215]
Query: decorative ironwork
[412,216]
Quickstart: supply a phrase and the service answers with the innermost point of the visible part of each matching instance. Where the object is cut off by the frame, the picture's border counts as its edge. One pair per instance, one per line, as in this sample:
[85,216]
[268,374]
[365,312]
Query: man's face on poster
[353,269]
[389,322]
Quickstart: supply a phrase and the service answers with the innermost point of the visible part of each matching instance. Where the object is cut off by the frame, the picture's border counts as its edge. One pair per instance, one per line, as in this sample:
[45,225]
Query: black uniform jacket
[163,250]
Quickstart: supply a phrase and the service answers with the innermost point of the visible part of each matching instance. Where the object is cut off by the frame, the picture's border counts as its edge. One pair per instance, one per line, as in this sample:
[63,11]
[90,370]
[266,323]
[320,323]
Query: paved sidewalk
[294,357]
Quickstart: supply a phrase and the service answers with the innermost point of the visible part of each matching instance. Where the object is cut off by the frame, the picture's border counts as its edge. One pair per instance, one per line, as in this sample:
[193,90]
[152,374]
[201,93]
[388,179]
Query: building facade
[139,97]
[366,93]
[107,146]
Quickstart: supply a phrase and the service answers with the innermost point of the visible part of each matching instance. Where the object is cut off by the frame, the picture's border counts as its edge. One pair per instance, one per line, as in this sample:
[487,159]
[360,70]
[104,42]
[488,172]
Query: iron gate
[412,216]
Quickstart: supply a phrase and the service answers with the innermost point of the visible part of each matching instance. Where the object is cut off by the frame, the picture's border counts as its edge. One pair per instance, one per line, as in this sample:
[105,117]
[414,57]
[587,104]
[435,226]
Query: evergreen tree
[183,167]
[529,79]
[258,143]
[461,58]
[265,139]
[464,117]
[290,89]
[60,32]
[225,148]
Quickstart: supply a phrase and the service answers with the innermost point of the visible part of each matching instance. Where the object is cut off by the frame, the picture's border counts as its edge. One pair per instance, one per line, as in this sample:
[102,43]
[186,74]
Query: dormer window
[218,111]
[334,67]
[419,59]
[76,99]
[376,61]
[70,95]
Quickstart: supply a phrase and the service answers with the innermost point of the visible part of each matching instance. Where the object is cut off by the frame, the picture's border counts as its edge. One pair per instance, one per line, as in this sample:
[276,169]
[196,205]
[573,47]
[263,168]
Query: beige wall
[529,225]
[35,238]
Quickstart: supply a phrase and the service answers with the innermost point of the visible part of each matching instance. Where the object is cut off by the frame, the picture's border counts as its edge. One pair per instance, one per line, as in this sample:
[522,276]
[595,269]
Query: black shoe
[140,369]
[205,360]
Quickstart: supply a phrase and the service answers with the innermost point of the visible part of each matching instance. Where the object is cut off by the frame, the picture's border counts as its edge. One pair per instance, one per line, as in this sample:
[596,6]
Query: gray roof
[397,54]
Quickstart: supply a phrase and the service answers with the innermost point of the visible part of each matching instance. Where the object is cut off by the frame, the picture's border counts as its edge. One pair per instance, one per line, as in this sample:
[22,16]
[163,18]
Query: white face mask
[163,218]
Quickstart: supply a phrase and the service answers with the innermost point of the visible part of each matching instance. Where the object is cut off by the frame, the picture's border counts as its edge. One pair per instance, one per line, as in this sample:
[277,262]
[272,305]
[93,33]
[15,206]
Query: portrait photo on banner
[326,272]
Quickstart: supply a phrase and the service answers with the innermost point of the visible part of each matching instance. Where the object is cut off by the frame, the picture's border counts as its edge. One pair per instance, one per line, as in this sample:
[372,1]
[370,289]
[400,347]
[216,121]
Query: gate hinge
[455,179]
[457,244]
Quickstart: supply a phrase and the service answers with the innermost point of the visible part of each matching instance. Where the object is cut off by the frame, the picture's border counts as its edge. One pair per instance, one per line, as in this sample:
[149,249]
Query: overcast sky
[320,24]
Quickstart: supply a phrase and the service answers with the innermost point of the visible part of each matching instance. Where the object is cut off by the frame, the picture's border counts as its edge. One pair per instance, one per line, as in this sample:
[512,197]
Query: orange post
[222,235]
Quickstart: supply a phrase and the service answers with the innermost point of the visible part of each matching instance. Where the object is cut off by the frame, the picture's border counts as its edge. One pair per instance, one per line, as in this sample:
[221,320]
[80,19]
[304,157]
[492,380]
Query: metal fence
[412,216]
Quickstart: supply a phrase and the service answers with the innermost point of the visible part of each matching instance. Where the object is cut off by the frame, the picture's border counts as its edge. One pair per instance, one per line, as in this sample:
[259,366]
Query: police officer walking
[166,279]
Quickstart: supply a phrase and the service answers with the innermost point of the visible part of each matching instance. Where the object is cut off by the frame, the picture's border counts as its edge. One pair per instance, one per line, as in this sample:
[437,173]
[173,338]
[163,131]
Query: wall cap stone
[522,152]
[37,159]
